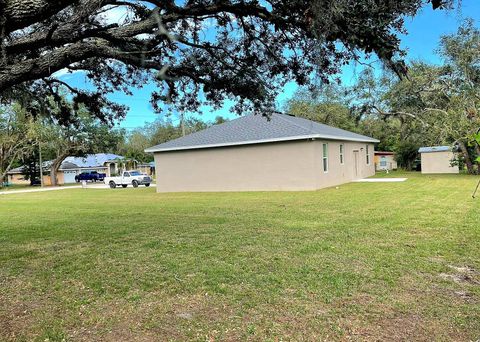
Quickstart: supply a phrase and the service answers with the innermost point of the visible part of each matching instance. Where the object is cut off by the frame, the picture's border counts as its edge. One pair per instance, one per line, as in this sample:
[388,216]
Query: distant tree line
[26,139]
[133,143]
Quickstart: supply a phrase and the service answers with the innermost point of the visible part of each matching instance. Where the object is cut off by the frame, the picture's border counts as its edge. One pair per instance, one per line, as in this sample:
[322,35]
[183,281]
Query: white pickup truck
[134,178]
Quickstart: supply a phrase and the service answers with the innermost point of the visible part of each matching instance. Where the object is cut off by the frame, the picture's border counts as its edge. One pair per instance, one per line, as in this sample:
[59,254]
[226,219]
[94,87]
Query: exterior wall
[47,181]
[438,162]
[17,178]
[20,179]
[145,169]
[348,171]
[295,165]
[390,159]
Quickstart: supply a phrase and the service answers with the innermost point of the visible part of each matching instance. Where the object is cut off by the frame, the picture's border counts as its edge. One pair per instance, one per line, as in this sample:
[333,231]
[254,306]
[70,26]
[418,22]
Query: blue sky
[424,32]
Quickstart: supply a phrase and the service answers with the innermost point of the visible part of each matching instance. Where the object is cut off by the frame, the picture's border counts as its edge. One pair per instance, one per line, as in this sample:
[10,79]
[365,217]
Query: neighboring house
[147,168]
[252,153]
[385,160]
[108,163]
[437,159]
[15,176]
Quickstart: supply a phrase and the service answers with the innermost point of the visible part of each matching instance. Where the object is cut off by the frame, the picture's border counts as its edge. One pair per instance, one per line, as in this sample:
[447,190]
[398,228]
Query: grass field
[367,261]
[23,187]
[16,187]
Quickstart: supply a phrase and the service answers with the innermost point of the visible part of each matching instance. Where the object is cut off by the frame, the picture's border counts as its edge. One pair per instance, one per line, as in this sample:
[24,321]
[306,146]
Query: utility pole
[41,163]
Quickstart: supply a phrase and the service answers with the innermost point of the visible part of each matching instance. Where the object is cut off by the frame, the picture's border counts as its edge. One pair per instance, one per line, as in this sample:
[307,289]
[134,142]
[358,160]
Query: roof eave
[253,142]
[434,151]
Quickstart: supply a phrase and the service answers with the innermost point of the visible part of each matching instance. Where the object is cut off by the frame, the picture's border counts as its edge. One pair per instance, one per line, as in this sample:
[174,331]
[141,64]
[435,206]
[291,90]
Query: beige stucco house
[438,159]
[253,153]
[385,160]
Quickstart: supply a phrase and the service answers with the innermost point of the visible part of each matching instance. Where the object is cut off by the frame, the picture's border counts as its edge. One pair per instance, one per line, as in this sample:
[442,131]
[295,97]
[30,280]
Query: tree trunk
[2,177]
[466,156]
[55,166]
[477,151]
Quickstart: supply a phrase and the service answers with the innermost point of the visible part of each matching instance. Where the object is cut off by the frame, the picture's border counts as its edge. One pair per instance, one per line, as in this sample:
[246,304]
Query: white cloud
[66,73]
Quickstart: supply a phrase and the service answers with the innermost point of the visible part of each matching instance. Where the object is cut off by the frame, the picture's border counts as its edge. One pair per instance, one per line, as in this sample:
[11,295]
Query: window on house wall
[368,155]
[383,161]
[342,158]
[325,158]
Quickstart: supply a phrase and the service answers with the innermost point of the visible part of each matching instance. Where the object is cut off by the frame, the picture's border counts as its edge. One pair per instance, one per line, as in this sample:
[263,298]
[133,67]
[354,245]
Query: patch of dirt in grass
[156,317]
[465,277]
[399,327]
[418,309]
[16,312]
[383,322]
[462,275]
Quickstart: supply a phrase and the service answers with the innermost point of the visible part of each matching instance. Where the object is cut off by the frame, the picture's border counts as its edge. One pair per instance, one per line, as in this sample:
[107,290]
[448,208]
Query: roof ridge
[309,130]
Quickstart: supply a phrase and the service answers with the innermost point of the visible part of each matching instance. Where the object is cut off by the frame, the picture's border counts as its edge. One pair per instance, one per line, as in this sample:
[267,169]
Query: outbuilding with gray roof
[438,159]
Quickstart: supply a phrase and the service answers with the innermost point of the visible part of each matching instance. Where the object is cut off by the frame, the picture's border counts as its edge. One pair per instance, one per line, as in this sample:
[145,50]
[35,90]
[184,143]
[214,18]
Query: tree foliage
[434,105]
[15,137]
[440,104]
[83,136]
[327,105]
[197,52]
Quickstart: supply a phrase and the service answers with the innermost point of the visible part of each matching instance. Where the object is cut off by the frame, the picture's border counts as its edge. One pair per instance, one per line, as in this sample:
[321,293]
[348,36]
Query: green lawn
[17,187]
[366,261]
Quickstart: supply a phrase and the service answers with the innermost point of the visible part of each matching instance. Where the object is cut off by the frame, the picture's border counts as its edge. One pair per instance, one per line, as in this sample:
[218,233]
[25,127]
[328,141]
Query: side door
[126,177]
[355,163]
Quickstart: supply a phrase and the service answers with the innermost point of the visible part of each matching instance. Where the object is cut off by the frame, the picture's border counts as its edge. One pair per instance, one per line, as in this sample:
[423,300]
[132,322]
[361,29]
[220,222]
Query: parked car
[93,176]
[134,178]
[35,182]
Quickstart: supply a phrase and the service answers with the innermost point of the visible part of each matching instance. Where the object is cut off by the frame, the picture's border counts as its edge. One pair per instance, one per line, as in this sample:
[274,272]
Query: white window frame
[325,157]
[368,154]
[342,154]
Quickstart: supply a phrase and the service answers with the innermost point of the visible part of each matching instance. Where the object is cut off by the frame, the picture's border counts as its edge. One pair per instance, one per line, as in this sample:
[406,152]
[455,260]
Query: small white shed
[438,159]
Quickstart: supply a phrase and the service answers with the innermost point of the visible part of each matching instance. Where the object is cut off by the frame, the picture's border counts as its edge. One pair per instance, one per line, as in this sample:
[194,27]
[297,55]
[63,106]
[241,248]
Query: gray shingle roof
[91,160]
[256,129]
[16,170]
[431,149]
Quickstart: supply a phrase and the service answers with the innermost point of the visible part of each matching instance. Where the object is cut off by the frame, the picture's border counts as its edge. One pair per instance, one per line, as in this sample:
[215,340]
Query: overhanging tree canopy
[202,51]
